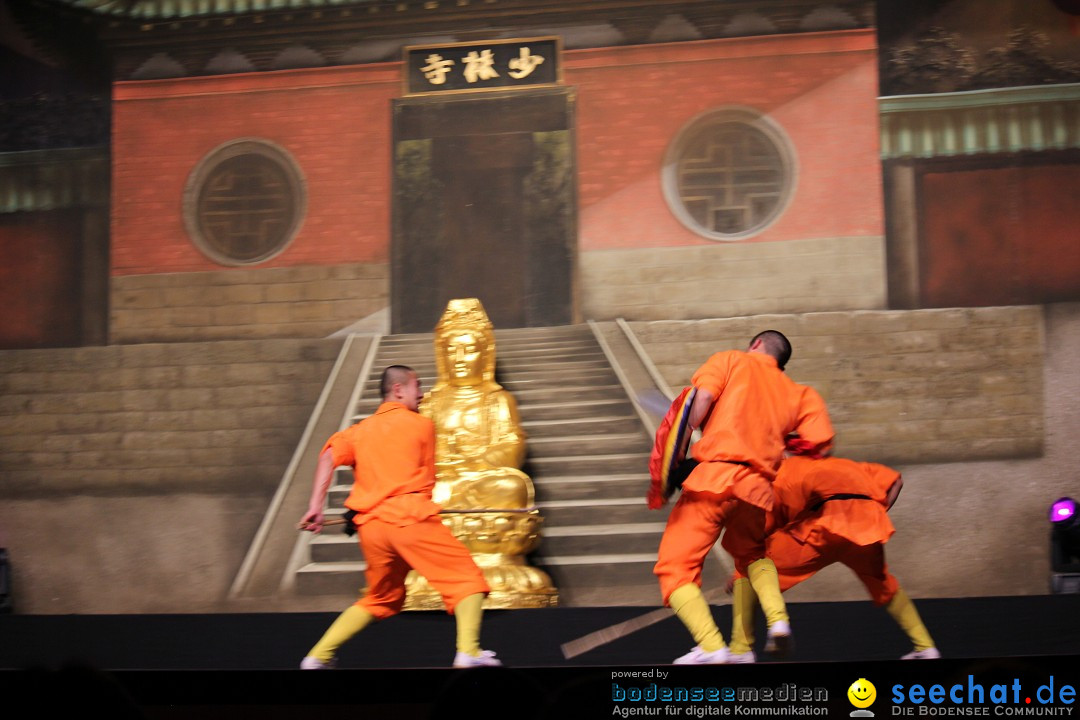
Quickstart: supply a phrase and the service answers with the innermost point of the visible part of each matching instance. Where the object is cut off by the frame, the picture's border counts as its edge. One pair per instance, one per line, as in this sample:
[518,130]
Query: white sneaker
[314,663]
[927,654]
[779,642]
[745,658]
[697,656]
[486,658]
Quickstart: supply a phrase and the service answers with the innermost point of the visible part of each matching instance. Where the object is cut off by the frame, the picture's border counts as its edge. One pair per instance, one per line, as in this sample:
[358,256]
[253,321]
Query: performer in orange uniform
[831,510]
[749,408]
[393,456]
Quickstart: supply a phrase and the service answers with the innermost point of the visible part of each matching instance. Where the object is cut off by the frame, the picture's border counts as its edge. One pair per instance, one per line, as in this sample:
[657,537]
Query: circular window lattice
[729,175]
[244,202]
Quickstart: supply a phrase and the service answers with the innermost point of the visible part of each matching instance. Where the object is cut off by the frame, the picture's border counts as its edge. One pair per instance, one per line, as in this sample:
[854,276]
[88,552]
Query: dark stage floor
[169,665]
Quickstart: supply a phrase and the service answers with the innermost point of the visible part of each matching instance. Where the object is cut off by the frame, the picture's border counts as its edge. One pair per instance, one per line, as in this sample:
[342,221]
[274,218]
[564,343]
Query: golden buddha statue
[488,502]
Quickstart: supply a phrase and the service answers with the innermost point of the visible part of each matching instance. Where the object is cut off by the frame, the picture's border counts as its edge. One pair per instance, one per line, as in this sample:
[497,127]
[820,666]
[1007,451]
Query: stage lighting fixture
[1064,546]
[1063,512]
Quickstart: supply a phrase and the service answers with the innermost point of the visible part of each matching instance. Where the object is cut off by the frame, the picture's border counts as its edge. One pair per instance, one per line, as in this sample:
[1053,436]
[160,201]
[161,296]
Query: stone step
[620,524]
[575,465]
[335,498]
[618,579]
[417,354]
[539,356]
[501,340]
[523,344]
[333,545]
[546,365]
[600,539]
[588,445]
[594,581]
[507,337]
[505,357]
[588,487]
[341,578]
[545,396]
[599,510]
[556,373]
[624,487]
[425,359]
[625,575]
[609,570]
[578,426]
[572,409]
[552,332]
[514,378]
[638,589]
[564,380]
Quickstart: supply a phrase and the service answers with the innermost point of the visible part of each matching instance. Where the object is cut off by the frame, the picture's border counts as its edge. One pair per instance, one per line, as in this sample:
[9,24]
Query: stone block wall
[734,279]
[133,478]
[308,301]
[156,418]
[924,386]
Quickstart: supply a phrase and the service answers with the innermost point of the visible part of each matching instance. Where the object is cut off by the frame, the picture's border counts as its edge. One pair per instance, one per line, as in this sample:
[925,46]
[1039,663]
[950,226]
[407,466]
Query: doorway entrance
[484,206]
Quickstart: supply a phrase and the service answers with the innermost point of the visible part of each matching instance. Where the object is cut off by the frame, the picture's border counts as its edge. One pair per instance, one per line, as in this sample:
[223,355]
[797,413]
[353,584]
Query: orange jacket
[756,407]
[803,484]
[392,454]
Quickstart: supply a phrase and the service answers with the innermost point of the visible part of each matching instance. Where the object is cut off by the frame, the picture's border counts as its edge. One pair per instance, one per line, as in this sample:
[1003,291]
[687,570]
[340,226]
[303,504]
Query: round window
[244,202]
[729,174]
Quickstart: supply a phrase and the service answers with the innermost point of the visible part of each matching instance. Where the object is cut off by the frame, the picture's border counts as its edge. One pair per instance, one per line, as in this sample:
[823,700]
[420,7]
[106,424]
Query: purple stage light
[1063,509]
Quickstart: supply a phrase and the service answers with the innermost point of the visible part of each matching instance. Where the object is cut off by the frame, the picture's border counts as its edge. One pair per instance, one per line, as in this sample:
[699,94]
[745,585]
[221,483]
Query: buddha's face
[465,358]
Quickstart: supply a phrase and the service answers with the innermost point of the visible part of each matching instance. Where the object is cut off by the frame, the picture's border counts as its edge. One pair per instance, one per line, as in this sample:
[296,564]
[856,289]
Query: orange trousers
[693,527]
[796,561]
[428,547]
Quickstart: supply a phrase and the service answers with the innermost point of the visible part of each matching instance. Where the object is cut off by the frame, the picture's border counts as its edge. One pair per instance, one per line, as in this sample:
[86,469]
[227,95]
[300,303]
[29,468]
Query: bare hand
[311,522]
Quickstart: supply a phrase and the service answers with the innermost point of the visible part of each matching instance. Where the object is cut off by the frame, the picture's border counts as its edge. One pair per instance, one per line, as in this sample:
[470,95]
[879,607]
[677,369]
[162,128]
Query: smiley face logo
[862,693]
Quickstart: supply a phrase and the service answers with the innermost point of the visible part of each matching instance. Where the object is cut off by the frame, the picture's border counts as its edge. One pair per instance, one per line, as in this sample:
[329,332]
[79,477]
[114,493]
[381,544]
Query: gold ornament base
[513,585]
[498,541]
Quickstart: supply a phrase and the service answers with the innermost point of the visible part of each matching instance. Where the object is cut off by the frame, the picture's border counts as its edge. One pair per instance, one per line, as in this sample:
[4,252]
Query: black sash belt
[840,496]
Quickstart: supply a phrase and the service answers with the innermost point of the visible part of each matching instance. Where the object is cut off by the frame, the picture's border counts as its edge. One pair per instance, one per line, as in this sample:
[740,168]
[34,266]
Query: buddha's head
[465,344]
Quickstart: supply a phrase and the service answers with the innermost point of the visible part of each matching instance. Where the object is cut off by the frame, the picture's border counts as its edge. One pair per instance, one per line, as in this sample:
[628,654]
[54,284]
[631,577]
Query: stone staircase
[588,453]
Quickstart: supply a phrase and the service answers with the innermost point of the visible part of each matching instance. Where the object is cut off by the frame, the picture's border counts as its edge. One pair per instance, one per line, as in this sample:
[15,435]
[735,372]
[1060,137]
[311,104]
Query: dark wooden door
[484,206]
[40,280]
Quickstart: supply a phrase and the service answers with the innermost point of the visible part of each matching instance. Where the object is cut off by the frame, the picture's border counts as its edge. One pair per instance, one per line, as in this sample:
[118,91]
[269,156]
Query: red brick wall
[335,122]
[821,88]
[632,101]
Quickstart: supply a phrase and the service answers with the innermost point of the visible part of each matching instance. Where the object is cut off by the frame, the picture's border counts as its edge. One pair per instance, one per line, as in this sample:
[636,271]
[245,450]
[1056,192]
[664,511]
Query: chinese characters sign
[492,65]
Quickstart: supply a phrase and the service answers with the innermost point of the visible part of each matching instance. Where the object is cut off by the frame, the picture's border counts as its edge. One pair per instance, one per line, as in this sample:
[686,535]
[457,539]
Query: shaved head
[775,344]
[394,375]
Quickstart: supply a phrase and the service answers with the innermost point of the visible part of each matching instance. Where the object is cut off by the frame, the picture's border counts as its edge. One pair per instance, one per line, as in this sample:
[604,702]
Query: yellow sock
[766,584]
[348,623]
[468,613]
[690,607]
[743,605]
[907,617]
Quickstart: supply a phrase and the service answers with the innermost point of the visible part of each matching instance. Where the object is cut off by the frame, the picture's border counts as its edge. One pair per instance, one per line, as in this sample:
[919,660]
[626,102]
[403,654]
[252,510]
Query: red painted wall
[40,287]
[632,101]
[1001,236]
[821,88]
[335,122]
